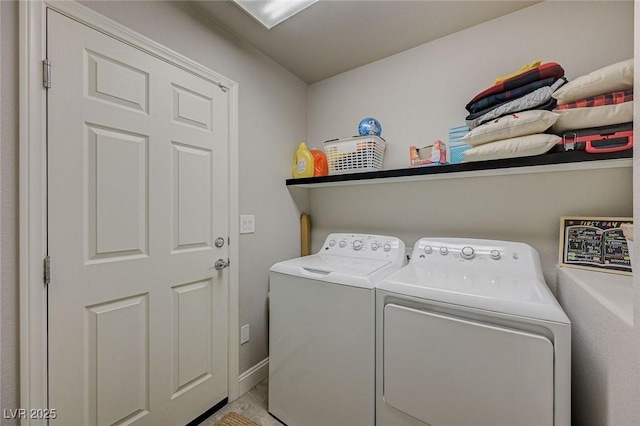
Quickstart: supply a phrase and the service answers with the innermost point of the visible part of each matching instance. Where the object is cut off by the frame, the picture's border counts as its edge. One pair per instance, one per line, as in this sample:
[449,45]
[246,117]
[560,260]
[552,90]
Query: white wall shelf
[553,162]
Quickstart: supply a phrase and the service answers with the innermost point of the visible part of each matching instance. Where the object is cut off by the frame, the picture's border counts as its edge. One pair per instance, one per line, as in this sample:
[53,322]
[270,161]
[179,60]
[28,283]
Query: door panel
[117,175]
[192,337]
[115,82]
[444,370]
[138,188]
[118,356]
[192,201]
[192,108]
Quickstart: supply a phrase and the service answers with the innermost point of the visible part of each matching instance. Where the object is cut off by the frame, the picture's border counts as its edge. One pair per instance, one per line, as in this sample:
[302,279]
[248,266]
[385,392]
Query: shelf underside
[575,160]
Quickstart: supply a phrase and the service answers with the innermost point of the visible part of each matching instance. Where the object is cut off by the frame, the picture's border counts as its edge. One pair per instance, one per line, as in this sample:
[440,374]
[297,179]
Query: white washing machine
[469,334]
[322,331]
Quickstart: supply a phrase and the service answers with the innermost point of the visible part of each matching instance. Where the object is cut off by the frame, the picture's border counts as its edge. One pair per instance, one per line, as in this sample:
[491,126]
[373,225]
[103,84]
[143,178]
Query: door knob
[220,264]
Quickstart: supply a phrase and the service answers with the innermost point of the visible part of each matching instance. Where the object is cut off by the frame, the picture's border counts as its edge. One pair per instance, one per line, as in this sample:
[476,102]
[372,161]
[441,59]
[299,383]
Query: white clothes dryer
[322,331]
[469,334]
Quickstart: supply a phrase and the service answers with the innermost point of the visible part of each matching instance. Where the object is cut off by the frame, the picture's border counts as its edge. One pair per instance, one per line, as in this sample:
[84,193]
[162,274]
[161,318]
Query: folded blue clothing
[538,99]
[498,98]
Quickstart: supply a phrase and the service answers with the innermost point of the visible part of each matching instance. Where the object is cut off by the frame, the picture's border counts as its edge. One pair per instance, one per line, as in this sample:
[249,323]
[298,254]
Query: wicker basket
[353,155]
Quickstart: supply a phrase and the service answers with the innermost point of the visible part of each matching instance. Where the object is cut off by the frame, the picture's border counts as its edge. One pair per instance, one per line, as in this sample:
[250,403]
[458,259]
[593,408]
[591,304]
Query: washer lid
[516,295]
[337,269]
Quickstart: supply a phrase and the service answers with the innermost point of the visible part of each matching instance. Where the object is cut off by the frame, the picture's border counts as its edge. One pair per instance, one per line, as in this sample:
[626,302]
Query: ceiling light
[272,12]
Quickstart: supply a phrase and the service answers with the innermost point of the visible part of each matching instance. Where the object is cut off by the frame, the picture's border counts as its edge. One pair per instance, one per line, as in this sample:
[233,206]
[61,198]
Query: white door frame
[33,184]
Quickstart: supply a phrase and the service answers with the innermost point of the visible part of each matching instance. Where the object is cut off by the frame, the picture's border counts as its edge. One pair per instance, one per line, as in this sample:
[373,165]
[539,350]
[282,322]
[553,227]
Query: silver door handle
[221,264]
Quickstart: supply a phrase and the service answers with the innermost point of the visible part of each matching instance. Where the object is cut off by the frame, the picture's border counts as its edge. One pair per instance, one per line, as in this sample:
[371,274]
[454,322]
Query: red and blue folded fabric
[600,100]
[538,99]
[498,98]
[527,90]
[546,70]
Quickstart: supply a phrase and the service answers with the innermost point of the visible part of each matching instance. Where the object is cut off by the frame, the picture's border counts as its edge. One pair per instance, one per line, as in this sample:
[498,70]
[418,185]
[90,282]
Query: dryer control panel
[365,246]
[504,257]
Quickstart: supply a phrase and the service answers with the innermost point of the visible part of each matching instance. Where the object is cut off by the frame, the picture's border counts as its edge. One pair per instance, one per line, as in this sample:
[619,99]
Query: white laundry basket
[356,154]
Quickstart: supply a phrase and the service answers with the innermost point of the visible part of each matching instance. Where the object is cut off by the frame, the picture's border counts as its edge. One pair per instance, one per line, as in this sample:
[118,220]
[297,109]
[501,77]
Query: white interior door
[137,195]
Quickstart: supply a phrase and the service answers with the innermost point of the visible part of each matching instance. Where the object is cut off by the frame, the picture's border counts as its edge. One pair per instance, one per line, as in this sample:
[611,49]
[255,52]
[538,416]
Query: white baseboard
[253,376]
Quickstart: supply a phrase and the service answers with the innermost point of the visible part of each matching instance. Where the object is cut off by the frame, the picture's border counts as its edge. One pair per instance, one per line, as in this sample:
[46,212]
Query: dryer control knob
[343,244]
[386,247]
[375,246]
[444,251]
[495,254]
[357,244]
[467,252]
[332,243]
[428,249]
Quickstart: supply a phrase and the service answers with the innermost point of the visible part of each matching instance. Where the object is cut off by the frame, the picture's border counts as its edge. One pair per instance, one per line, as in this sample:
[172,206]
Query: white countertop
[613,291]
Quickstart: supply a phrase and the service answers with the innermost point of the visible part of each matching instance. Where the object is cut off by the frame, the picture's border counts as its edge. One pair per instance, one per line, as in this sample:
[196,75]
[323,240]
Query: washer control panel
[364,246]
[476,254]
[460,251]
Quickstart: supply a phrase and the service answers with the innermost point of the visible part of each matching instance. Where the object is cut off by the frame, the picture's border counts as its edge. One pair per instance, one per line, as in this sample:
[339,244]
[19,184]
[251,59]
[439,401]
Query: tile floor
[252,405]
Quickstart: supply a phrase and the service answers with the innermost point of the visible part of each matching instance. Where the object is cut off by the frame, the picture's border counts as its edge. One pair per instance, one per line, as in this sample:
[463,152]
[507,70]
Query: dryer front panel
[444,370]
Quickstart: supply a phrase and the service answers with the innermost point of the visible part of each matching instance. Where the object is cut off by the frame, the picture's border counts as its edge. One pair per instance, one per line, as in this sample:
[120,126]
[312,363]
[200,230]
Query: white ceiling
[332,36]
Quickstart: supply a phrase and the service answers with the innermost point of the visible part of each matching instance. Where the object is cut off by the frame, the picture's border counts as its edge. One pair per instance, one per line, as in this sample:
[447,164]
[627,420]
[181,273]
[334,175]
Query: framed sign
[596,243]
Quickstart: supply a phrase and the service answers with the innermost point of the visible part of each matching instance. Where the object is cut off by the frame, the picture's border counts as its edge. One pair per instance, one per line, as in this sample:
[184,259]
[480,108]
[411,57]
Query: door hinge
[47,270]
[46,73]
[222,87]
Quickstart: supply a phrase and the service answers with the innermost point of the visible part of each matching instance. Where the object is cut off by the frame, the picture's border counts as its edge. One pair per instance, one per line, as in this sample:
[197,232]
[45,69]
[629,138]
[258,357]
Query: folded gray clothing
[531,100]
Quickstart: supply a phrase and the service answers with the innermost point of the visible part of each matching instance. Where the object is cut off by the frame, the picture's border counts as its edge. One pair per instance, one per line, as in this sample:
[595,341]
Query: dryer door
[445,370]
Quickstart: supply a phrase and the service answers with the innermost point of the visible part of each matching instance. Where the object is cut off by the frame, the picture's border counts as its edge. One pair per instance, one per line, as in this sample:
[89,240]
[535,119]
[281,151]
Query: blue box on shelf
[456,146]
[455,153]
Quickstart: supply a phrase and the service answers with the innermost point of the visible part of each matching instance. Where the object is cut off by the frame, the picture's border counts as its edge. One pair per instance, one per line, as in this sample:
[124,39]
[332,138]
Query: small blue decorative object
[369,126]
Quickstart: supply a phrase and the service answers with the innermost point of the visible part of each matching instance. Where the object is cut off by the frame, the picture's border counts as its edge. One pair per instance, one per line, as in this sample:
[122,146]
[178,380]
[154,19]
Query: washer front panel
[321,360]
[500,376]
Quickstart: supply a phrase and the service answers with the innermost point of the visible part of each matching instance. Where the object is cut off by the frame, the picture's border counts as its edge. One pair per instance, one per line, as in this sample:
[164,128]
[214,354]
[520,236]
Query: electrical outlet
[247,224]
[244,334]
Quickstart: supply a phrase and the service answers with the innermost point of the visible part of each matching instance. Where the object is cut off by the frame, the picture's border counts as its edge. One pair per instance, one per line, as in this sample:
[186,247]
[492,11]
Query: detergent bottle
[303,162]
[320,165]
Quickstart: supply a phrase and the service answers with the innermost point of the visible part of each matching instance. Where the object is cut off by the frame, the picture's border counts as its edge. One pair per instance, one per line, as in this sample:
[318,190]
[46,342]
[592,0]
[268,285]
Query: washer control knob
[375,246]
[343,244]
[428,249]
[467,252]
[386,247]
[495,254]
[357,244]
[332,243]
[444,251]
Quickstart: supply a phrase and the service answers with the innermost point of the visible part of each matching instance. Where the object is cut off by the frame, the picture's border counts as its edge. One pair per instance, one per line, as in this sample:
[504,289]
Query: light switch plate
[247,224]
[244,334]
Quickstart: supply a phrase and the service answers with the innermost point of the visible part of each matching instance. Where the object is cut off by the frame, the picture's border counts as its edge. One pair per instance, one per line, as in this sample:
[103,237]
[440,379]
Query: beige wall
[419,94]
[523,208]
[9,380]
